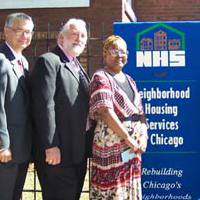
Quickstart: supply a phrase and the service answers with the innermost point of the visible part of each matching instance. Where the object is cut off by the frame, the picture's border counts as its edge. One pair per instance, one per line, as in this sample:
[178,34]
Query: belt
[133,118]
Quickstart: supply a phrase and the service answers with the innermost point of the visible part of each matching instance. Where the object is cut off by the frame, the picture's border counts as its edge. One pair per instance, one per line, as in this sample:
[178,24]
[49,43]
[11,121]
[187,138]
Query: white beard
[76,50]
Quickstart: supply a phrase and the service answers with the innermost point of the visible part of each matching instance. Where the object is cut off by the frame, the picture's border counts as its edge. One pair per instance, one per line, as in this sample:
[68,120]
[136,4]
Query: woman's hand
[143,138]
[142,143]
[133,144]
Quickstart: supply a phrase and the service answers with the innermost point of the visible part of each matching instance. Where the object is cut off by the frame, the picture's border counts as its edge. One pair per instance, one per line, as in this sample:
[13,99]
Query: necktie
[83,80]
[20,66]
[85,83]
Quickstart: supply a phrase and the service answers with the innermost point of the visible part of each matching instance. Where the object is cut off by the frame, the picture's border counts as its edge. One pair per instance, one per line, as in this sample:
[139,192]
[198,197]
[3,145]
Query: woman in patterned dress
[116,106]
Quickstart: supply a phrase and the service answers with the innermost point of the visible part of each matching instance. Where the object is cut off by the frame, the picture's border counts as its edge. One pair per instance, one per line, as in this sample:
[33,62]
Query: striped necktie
[84,80]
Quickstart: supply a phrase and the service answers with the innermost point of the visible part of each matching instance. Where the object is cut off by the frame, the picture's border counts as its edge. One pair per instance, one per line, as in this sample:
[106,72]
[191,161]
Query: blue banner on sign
[164,61]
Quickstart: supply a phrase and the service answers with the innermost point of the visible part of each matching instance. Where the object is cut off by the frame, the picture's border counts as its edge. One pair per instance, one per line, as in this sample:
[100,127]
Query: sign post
[164,60]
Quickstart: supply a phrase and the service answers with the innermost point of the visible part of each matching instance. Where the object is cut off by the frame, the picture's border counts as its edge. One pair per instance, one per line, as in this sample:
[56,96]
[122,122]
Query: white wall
[10,4]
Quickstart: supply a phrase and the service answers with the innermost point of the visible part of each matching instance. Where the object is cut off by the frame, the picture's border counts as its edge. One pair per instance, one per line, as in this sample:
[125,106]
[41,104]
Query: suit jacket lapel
[25,66]
[84,78]
[72,69]
[16,69]
[71,66]
[65,60]
[19,75]
[9,55]
[82,69]
[14,65]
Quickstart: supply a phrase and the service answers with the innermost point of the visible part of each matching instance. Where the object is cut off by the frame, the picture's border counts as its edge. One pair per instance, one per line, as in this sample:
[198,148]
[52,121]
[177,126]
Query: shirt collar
[16,55]
[70,58]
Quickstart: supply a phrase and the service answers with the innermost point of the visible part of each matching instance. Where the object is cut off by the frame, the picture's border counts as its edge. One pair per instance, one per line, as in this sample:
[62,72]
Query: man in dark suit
[59,87]
[15,124]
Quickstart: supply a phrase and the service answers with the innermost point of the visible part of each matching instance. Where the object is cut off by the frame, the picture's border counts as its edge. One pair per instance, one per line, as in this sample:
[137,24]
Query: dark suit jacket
[15,124]
[60,108]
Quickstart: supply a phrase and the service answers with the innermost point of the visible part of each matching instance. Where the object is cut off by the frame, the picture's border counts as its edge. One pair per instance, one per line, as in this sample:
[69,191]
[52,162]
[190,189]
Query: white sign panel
[10,4]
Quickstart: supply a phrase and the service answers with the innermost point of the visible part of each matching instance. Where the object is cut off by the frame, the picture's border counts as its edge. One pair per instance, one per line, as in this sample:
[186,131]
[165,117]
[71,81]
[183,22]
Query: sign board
[164,60]
[10,4]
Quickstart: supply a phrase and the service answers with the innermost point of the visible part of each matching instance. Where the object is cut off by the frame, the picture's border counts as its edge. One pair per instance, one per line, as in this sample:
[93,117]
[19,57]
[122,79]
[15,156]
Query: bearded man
[59,90]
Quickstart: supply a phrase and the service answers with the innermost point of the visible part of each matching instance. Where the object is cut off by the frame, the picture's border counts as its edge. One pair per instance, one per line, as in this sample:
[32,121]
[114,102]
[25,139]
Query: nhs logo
[160,46]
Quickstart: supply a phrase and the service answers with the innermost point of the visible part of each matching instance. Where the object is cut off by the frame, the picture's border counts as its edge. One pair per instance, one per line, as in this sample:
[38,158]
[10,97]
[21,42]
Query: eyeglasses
[115,52]
[22,32]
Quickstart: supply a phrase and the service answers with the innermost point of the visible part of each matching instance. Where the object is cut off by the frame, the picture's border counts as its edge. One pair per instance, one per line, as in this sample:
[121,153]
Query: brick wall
[100,17]
[167,10]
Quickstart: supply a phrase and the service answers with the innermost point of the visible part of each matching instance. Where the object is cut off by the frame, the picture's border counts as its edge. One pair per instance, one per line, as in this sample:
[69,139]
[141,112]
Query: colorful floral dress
[111,178]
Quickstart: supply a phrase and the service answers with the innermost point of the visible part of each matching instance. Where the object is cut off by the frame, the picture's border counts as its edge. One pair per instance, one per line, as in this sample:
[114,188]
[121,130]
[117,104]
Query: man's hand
[5,155]
[53,156]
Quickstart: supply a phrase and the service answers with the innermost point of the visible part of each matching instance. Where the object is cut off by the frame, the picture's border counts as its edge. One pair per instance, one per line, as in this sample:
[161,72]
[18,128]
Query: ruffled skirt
[111,178]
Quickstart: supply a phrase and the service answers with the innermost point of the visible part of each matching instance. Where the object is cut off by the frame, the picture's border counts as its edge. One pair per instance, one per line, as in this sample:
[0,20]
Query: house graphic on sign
[160,40]
[160,45]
